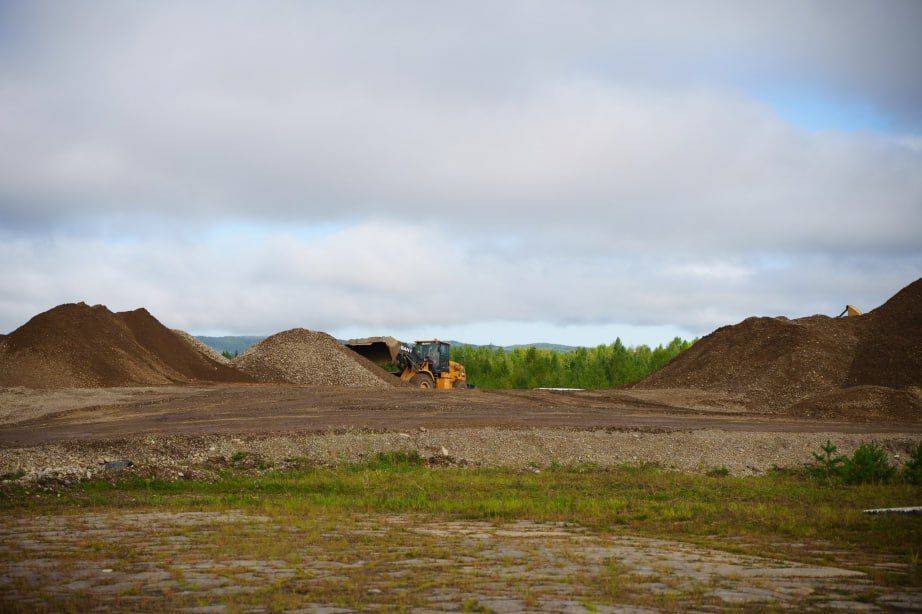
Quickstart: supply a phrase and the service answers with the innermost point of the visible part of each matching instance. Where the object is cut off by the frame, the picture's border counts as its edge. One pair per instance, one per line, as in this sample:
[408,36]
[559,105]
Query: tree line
[604,366]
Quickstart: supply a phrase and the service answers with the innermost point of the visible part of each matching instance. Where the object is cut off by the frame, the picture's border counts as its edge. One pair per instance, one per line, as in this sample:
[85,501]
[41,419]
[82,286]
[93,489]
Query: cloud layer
[566,162]
[337,283]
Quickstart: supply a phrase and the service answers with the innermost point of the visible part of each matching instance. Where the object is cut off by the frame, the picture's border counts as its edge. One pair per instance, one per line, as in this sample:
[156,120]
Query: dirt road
[266,409]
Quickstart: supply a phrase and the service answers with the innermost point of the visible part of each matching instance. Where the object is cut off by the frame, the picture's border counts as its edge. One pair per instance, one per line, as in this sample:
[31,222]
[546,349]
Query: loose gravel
[301,356]
[741,453]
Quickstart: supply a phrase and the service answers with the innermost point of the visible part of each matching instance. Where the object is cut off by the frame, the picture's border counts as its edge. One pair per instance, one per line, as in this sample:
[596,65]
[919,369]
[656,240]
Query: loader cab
[435,351]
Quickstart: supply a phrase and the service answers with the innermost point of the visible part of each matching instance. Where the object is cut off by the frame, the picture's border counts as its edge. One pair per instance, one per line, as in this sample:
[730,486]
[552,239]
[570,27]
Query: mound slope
[79,346]
[301,356]
[779,363]
[861,403]
[200,347]
[889,349]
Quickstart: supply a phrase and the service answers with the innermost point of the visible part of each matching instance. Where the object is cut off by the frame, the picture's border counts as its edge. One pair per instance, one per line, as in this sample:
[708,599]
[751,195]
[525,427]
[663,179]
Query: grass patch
[758,514]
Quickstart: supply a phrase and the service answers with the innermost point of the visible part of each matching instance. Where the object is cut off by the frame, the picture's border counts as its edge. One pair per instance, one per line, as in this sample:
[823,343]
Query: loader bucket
[380,350]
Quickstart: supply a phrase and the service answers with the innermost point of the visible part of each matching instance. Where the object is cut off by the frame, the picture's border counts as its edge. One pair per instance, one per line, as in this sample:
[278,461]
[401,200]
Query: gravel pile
[203,349]
[783,365]
[890,342]
[774,362]
[81,346]
[301,356]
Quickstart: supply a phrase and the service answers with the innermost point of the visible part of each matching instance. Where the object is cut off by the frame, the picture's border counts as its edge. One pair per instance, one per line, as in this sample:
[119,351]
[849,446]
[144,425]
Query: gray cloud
[573,162]
[615,158]
[282,281]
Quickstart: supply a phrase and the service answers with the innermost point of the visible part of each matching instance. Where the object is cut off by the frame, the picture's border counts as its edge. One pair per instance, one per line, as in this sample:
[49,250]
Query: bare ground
[177,429]
[19,404]
[227,560]
[254,408]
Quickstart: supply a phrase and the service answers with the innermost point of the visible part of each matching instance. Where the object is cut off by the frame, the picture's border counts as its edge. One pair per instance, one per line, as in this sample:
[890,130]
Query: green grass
[322,514]
[756,514]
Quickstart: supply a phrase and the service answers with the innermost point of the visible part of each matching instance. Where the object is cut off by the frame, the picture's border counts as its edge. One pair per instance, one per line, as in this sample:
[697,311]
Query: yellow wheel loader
[425,364]
[850,310]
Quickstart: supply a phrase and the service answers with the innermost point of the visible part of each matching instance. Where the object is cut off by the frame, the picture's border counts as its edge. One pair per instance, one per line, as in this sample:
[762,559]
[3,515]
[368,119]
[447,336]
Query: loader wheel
[422,380]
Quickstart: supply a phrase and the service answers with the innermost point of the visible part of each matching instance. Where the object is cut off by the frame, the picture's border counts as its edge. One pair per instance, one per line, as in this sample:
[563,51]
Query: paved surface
[245,408]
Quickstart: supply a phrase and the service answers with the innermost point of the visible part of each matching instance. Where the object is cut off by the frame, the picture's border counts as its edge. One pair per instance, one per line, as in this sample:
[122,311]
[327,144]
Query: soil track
[266,408]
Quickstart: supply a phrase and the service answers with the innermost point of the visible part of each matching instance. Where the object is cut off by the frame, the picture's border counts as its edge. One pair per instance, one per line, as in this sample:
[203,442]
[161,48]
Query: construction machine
[850,310]
[425,364]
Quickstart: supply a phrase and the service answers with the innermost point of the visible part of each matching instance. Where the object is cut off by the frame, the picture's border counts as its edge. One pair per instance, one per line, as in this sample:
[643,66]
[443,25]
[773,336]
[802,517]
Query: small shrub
[912,470]
[869,463]
[827,463]
[718,472]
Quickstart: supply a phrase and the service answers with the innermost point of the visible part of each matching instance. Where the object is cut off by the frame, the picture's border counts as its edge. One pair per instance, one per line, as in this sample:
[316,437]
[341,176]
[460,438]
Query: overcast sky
[492,172]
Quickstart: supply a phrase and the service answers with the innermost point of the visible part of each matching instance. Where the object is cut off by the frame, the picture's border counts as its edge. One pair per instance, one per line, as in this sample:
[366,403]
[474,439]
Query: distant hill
[234,345]
[239,344]
[557,347]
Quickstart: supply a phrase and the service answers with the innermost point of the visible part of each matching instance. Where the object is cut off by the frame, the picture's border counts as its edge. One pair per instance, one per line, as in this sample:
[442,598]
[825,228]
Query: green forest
[605,366]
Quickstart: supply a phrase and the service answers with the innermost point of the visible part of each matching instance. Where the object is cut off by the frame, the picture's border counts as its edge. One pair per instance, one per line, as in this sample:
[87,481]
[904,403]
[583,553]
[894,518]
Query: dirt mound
[776,362]
[861,403]
[771,361]
[200,347]
[79,346]
[301,356]
[890,342]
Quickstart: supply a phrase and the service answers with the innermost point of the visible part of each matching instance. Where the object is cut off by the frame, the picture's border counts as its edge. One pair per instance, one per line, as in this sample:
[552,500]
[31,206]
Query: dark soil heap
[79,346]
[798,364]
[890,342]
[301,356]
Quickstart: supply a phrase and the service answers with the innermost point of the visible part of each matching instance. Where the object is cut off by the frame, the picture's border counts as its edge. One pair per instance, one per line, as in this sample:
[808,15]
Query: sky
[511,172]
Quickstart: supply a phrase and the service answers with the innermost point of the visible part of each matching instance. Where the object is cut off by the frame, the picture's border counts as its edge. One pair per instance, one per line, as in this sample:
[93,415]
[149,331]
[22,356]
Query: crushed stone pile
[200,347]
[836,367]
[301,356]
[81,346]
